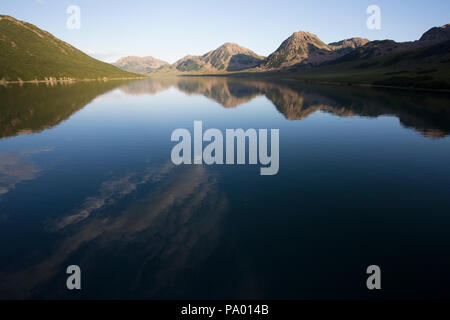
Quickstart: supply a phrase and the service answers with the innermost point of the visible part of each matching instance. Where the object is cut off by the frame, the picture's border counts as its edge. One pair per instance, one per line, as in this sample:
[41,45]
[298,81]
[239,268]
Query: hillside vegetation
[29,53]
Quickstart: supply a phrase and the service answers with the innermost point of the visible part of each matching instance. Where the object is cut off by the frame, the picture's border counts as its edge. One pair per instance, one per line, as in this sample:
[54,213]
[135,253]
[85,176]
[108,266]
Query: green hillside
[29,53]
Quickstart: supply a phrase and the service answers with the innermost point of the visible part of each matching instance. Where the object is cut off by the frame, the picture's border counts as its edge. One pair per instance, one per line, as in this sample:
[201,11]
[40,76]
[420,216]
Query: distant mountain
[228,57]
[306,48]
[29,53]
[142,65]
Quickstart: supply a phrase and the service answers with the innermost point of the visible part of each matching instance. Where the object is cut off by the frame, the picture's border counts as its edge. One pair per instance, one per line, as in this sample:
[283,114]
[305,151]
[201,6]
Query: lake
[86,179]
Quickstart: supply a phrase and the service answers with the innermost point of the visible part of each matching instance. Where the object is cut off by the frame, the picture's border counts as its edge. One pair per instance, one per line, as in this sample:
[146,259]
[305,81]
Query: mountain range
[301,47]
[424,63]
[29,53]
[307,48]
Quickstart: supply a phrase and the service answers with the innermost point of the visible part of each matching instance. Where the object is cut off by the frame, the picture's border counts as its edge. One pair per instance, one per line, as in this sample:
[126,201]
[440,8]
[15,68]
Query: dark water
[86,178]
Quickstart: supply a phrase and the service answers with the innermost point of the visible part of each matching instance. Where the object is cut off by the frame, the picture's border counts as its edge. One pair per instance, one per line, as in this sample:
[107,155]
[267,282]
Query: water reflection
[139,227]
[16,168]
[426,112]
[31,109]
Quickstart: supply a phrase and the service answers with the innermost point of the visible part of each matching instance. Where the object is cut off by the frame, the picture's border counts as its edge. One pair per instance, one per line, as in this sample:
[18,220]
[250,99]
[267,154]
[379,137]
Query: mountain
[300,47]
[306,48]
[142,65]
[373,49]
[381,48]
[437,34]
[232,57]
[228,57]
[189,63]
[29,53]
[422,67]
[424,63]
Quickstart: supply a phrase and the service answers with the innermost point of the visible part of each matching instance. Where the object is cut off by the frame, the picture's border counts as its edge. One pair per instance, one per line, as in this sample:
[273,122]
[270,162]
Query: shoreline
[261,76]
[53,81]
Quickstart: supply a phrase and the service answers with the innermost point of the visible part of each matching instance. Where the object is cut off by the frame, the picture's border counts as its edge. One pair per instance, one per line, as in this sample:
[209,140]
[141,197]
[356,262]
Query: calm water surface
[86,179]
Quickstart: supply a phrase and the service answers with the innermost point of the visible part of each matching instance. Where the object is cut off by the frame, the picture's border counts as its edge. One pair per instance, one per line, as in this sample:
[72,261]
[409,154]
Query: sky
[170,30]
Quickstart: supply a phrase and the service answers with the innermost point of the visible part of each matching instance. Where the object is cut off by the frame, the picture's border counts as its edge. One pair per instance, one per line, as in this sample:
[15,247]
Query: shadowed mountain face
[382,48]
[347,46]
[425,112]
[387,63]
[437,34]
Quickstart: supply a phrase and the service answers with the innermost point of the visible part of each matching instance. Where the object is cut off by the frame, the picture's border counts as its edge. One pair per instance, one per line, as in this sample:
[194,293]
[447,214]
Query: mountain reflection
[426,112]
[31,108]
[34,108]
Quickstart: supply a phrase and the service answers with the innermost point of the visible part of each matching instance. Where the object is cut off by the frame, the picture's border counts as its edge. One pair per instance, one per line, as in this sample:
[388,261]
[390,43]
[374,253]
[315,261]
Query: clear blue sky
[170,30]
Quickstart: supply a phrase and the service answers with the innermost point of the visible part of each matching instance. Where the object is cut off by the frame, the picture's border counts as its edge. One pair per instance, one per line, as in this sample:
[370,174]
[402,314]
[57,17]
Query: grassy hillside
[28,53]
